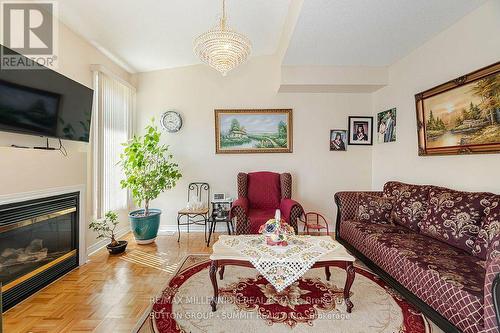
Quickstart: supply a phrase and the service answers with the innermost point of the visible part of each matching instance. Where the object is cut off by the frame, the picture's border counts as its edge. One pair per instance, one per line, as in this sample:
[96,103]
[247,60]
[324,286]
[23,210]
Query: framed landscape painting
[461,116]
[253,131]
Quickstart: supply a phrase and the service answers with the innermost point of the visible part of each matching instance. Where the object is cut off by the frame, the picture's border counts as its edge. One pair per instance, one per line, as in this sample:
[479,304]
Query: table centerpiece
[276,231]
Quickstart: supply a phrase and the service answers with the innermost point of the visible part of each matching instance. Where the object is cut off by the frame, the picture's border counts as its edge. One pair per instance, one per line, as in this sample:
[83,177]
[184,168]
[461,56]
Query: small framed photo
[360,131]
[338,139]
[219,197]
[386,126]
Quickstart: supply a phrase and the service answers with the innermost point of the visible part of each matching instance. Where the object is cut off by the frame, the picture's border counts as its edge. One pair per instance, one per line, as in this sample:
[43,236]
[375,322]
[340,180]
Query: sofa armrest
[239,210]
[347,205]
[291,210]
[492,269]
[241,203]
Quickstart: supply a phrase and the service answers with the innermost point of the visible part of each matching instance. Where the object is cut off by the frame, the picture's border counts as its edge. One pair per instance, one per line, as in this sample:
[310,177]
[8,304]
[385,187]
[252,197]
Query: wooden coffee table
[223,256]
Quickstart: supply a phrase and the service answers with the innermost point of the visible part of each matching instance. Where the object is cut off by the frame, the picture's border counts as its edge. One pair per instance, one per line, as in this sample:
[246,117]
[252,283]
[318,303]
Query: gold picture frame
[461,116]
[250,131]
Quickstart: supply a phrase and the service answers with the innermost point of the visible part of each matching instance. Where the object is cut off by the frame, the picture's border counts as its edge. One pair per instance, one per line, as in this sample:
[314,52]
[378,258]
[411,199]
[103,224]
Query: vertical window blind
[114,102]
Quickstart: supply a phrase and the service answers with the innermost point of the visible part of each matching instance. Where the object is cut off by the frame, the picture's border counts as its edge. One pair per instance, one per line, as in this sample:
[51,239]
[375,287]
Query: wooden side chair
[197,216]
[315,222]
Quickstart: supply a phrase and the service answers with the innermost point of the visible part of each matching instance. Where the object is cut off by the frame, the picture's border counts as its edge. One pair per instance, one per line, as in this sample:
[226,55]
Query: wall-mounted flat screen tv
[45,103]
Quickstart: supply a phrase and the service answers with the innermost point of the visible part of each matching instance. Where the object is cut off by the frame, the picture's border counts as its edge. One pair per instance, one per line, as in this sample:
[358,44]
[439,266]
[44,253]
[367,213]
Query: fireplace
[38,244]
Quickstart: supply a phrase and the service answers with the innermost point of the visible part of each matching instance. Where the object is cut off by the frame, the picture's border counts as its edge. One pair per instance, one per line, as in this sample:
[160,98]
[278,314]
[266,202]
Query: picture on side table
[360,130]
[338,139]
[253,131]
[386,126]
[461,116]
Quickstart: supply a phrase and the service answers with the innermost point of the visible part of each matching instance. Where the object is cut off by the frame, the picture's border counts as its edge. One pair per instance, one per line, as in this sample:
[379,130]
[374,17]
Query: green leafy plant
[105,227]
[148,167]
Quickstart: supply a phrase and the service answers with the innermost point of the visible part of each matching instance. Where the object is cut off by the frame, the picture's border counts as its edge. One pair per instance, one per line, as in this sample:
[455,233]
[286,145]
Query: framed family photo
[360,130]
[386,126]
[338,140]
[461,116]
[253,131]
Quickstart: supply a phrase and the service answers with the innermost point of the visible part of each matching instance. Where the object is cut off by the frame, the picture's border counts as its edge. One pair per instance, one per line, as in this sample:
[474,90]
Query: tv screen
[28,110]
[45,103]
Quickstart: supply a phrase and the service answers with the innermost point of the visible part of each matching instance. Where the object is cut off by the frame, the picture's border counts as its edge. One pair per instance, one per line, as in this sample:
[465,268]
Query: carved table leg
[327,273]
[221,272]
[349,268]
[213,278]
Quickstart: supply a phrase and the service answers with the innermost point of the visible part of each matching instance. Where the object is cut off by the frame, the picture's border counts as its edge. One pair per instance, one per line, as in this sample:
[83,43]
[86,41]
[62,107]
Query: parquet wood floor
[108,294]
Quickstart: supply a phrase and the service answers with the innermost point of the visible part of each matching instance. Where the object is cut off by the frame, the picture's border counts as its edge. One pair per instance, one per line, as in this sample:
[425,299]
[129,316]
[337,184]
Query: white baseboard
[172,228]
[102,243]
[169,230]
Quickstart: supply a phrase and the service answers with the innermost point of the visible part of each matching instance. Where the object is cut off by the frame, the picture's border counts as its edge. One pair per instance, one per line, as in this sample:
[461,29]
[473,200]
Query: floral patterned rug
[248,303]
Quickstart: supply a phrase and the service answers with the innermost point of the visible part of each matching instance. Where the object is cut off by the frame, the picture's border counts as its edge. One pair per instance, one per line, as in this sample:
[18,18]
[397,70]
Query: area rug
[248,303]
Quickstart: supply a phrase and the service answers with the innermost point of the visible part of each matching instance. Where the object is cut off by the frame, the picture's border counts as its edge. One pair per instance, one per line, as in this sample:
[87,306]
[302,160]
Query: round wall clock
[171,121]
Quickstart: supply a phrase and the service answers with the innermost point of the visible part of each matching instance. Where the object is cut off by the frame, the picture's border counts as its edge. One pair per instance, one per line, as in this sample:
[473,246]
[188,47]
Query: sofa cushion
[489,233]
[454,217]
[257,217]
[355,232]
[387,250]
[448,279]
[410,203]
[264,190]
[374,209]
[451,285]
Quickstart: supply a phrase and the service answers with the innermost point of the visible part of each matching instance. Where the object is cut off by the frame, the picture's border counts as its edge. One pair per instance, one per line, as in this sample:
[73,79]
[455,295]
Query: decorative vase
[270,242]
[276,231]
[145,228]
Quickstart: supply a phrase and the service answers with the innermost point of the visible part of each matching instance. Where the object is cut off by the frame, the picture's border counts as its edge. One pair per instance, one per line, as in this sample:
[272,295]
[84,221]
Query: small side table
[220,213]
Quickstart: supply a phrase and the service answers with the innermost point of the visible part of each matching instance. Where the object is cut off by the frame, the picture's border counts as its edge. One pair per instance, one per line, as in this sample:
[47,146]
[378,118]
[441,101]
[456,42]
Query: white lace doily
[281,265]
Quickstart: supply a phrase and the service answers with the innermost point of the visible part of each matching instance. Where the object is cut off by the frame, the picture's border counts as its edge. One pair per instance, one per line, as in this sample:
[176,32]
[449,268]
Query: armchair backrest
[264,190]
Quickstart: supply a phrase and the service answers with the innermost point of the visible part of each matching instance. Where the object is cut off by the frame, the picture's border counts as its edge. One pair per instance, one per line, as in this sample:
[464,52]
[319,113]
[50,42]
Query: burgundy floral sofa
[438,247]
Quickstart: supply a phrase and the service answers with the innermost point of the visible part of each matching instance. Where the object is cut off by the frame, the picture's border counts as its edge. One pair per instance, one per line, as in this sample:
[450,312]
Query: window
[112,126]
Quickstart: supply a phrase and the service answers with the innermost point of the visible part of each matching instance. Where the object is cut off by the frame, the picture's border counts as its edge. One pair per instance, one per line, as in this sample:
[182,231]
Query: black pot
[120,248]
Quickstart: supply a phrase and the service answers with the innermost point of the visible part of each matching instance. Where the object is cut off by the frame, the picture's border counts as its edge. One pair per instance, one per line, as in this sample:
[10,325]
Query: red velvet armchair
[259,195]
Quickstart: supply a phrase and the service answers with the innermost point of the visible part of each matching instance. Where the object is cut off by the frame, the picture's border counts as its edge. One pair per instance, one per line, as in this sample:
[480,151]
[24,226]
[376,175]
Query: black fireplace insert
[38,244]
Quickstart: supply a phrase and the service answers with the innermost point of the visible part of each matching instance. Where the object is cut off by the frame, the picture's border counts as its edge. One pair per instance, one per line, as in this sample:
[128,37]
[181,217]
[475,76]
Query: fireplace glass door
[28,247]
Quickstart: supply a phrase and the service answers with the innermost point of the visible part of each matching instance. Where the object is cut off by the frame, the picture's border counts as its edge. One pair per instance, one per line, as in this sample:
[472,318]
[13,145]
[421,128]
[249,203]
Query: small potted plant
[105,228]
[149,170]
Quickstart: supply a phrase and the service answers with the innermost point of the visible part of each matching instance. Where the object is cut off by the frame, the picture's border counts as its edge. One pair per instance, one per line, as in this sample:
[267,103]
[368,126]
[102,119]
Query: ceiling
[149,35]
[368,32]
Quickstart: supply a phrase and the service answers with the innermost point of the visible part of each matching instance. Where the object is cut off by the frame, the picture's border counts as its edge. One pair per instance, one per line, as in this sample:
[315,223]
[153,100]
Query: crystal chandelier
[222,48]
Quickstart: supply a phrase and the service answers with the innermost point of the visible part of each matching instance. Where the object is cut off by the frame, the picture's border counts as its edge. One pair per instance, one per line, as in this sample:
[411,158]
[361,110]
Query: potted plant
[105,228]
[149,170]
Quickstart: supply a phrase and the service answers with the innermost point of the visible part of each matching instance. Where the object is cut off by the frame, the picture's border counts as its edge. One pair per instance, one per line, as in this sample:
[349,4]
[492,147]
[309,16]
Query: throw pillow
[374,209]
[410,203]
[490,228]
[454,217]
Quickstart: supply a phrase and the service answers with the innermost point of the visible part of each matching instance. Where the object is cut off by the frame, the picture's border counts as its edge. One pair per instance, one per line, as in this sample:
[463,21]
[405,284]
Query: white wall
[470,44]
[195,91]
[28,170]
